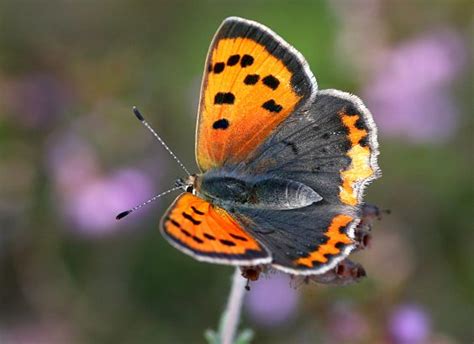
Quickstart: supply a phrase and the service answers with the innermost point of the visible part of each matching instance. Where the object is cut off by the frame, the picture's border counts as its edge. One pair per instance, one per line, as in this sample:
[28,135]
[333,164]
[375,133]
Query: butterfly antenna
[127,212]
[145,123]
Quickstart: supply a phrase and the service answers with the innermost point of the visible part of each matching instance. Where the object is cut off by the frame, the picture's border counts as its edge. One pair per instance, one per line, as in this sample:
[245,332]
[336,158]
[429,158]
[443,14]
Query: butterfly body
[229,190]
[283,165]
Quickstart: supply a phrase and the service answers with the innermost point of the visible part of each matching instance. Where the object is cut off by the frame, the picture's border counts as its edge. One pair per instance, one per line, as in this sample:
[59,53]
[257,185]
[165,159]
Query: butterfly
[282,165]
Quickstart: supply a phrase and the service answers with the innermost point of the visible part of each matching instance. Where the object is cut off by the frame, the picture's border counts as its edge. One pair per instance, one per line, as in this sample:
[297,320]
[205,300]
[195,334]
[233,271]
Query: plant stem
[233,308]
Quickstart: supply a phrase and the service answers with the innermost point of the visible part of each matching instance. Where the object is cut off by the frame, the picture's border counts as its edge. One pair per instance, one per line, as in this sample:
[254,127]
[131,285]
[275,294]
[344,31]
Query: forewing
[252,82]
[209,233]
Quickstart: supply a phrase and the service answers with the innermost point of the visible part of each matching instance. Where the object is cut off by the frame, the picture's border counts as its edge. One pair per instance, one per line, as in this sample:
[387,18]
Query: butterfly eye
[189,188]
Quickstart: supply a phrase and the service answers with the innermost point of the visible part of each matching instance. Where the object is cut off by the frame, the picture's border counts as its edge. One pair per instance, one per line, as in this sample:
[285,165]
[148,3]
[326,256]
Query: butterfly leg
[297,281]
[363,239]
[370,213]
[346,272]
[252,273]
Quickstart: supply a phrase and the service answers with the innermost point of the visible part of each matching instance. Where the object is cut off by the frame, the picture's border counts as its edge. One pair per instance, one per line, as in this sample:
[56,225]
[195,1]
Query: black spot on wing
[196,211]
[221,124]
[224,98]
[190,218]
[272,106]
[359,124]
[209,236]
[219,67]
[350,110]
[227,242]
[251,79]
[198,240]
[238,237]
[246,61]
[300,81]
[364,142]
[175,223]
[185,232]
[233,60]
[271,82]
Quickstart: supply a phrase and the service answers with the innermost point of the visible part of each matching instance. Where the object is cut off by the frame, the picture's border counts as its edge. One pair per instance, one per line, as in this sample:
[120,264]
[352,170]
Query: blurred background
[72,155]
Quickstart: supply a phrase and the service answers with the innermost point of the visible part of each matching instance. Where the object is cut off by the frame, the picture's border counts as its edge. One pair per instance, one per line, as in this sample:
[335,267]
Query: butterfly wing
[308,240]
[332,148]
[252,82]
[209,233]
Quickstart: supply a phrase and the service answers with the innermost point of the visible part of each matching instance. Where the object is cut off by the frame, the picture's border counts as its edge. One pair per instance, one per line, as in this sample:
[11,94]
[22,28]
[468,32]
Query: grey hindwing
[295,233]
[309,147]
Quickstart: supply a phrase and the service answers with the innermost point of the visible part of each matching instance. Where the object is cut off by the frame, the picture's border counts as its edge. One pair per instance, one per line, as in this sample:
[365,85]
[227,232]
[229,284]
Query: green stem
[233,308]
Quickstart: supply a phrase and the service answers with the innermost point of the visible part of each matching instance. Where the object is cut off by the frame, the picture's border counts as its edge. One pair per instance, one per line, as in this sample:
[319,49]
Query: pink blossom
[271,301]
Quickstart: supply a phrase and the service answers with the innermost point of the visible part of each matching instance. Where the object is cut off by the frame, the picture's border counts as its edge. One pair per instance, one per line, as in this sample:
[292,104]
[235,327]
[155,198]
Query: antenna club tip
[123,214]
[137,113]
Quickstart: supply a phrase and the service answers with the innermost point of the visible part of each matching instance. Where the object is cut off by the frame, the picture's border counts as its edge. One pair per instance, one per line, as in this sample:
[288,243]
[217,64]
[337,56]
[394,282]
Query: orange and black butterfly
[283,165]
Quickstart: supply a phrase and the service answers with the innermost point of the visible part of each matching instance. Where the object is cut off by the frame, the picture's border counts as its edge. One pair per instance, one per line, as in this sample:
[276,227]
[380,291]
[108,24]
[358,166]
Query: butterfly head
[188,184]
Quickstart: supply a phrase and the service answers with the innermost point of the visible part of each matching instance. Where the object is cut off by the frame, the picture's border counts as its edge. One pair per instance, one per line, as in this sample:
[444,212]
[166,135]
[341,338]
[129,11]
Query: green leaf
[244,337]
[212,337]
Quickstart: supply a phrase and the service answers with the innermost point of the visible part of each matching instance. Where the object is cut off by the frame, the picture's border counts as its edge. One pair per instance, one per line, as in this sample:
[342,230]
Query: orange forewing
[248,89]
[249,123]
[206,231]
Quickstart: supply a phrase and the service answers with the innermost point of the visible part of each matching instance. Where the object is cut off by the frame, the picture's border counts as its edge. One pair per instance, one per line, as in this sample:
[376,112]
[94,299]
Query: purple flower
[93,208]
[409,324]
[409,96]
[346,324]
[89,198]
[271,301]
[72,163]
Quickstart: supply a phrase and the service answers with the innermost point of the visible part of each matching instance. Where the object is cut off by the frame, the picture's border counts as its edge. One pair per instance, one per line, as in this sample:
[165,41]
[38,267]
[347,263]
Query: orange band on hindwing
[335,236]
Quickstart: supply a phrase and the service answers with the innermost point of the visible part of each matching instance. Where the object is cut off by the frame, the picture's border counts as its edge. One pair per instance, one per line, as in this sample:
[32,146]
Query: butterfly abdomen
[264,192]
